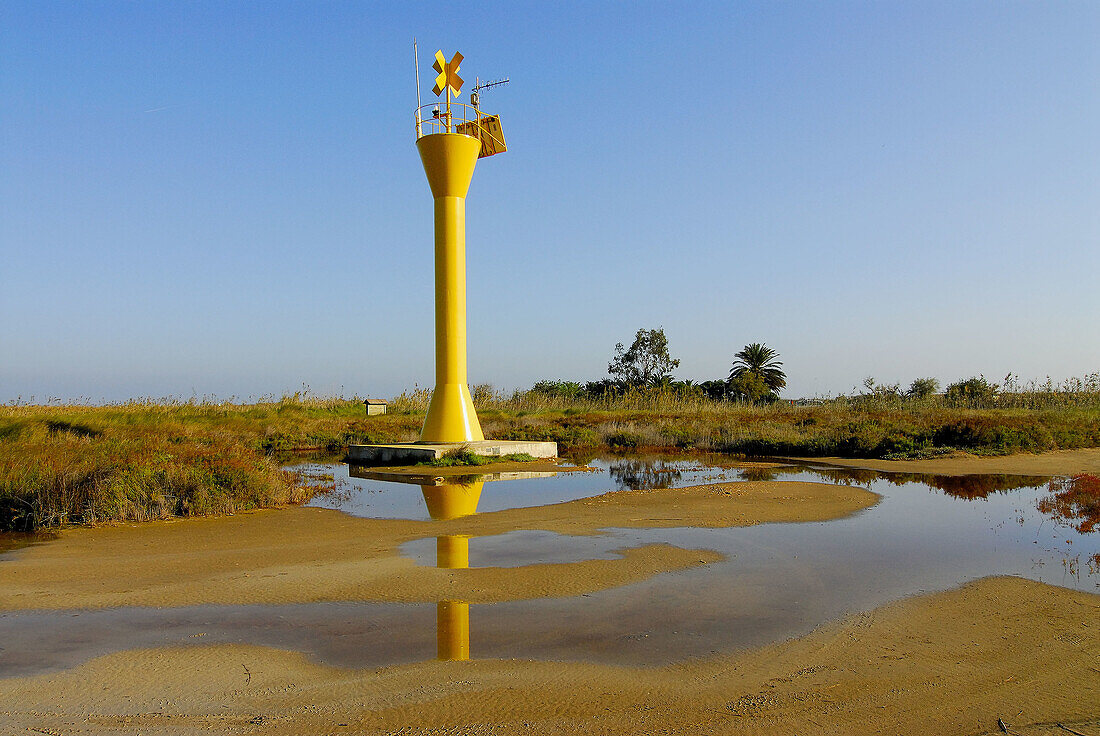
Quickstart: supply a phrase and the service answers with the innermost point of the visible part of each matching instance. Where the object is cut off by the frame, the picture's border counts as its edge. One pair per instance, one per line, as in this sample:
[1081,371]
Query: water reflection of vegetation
[858,476]
[10,541]
[323,482]
[1074,501]
[762,474]
[956,486]
[981,486]
[643,475]
[464,480]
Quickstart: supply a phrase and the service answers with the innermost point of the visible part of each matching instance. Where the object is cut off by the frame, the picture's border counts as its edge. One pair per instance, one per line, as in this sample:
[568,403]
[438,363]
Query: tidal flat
[639,592]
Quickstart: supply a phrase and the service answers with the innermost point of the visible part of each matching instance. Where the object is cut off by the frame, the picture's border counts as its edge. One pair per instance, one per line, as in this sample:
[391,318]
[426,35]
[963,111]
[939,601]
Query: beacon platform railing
[456,117]
[443,118]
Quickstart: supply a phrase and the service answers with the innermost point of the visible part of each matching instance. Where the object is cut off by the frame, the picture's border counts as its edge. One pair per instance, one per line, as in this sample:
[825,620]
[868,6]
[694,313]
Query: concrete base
[418,452]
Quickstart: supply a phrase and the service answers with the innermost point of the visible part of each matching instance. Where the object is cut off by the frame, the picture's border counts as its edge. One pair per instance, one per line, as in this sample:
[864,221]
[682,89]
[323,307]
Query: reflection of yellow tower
[452,617]
[452,500]
[452,631]
[447,502]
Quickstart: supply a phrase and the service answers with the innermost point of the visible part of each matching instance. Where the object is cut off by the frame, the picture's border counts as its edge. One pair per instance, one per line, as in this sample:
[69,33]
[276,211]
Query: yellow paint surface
[449,160]
[452,631]
[487,129]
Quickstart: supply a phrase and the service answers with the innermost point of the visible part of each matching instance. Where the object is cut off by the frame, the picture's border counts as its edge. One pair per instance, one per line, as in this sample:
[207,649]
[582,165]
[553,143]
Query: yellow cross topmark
[448,73]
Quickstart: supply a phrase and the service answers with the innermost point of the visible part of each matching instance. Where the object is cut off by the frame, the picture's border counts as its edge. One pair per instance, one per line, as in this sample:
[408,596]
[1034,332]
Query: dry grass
[150,460]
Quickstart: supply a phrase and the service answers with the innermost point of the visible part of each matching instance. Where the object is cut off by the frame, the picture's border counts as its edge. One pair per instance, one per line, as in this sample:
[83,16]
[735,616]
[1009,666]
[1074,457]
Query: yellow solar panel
[488,131]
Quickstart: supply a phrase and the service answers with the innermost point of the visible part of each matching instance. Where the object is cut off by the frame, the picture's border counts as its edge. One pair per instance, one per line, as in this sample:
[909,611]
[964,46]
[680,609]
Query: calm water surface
[927,533]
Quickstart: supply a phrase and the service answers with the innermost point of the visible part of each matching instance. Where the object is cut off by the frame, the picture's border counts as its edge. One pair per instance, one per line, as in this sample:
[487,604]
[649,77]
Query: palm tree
[760,360]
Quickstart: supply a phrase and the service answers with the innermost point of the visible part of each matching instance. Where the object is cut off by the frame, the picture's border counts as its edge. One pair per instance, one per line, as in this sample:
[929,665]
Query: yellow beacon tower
[450,139]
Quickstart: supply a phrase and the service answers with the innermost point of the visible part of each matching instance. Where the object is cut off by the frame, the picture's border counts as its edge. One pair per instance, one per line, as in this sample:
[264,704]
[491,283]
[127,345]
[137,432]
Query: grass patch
[147,460]
[463,456]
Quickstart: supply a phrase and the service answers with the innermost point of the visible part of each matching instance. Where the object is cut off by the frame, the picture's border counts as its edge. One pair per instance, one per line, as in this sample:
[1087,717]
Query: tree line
[756,374]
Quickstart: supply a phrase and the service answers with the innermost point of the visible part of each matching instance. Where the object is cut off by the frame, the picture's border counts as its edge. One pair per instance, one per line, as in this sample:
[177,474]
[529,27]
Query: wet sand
[1059,462]
[950,663]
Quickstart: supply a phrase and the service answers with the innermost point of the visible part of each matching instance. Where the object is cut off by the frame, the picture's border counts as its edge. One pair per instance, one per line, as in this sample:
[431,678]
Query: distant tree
[602,389]
[716,390]
[688,389]
[759,360]
[647,362]
[750,387]
[922,388]
[880,392]
[559,389]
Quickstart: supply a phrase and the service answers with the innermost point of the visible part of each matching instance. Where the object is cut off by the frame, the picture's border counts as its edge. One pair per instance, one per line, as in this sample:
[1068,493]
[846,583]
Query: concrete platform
[418,452]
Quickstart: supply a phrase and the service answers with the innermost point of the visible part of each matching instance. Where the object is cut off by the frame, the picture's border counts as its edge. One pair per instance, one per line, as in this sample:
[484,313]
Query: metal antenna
[416,65]
[475,95]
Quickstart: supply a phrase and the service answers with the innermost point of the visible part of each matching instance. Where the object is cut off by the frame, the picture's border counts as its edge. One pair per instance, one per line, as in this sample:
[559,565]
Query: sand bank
[950,663]
[309,554]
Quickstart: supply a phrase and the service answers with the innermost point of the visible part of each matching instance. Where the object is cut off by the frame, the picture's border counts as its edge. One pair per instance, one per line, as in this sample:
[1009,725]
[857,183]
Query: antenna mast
[416,66]
[475,95]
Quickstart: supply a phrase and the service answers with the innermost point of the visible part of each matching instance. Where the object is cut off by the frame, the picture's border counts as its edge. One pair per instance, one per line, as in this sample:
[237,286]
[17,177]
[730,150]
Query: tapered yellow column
[449,160]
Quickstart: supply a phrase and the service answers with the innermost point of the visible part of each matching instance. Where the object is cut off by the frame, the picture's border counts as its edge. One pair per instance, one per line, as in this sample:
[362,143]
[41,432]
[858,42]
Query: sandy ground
[949,663]
[1059,462]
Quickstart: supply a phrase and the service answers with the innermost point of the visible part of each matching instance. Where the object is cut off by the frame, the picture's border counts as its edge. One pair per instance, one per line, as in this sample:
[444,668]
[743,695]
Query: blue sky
[224,199]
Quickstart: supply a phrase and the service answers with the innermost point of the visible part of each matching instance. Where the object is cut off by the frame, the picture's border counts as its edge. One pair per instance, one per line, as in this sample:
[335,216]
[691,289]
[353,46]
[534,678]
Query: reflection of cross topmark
[448,74]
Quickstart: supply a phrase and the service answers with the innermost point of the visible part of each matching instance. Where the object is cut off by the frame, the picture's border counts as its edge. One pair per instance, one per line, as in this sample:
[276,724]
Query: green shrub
[922,388]
[624,440]
[682,438]
[973,393]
